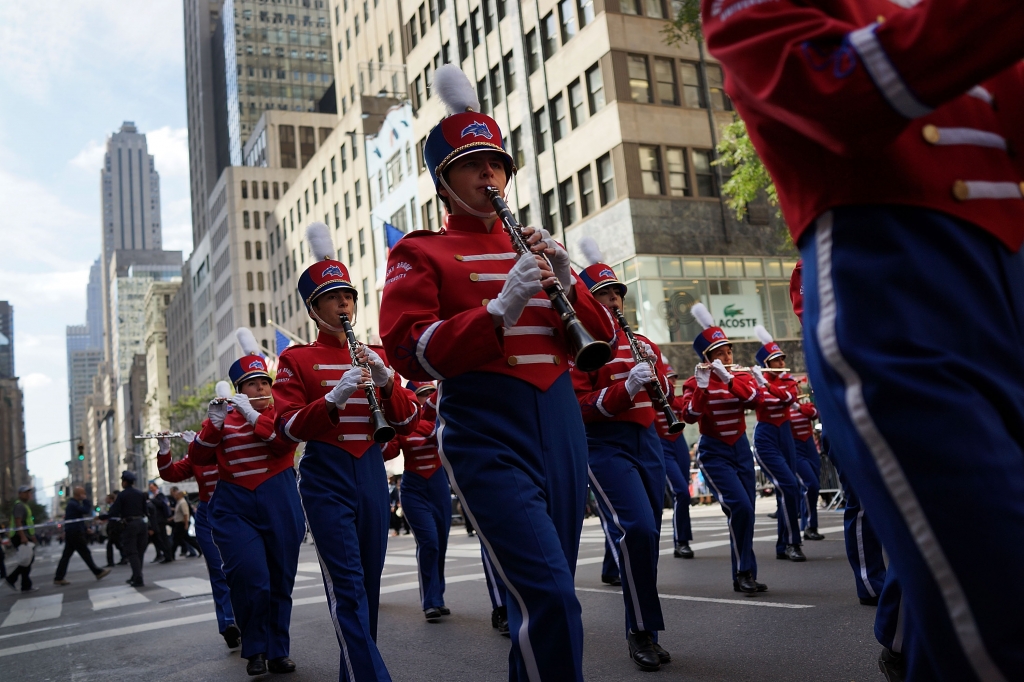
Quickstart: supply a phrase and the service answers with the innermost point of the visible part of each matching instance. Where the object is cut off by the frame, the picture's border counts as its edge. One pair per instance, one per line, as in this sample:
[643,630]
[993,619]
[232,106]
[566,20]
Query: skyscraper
[94,305]
[131,194]
[83,361]
[6,340]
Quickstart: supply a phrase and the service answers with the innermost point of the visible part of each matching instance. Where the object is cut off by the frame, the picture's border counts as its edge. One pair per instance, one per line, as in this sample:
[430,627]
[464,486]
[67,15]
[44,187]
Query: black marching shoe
[773,515]
[499,620]
[683,551]
[641,650]
[761,587]
[257,665]
[281,665]
[663,655]
[892,665]
[232,636]
[612,580]
[445,611]
[433,614]
[869,601]
[792,553]
[745,582]
[812,534]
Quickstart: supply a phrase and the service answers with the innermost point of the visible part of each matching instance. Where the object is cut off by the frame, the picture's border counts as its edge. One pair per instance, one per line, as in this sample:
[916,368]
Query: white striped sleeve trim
[236,426]
[247,446]
[600,404]
[253,472]
[415,410]
[421,351]
[288,428]
[240,434]
[884,74]
[489,256]
[529,331]
[243,460]
[211,472]
[981,93]
[166,466]
[204,443]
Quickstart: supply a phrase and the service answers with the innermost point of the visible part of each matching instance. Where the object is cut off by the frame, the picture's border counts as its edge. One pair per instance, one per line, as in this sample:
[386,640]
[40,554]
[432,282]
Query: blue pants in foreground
[520,469]
[808,473]
[215,566]
[495,588]
[729,472]
[627,473]
[677,469]
[427,503]
[347,507]
[776,455]
[258,533]
[914,330]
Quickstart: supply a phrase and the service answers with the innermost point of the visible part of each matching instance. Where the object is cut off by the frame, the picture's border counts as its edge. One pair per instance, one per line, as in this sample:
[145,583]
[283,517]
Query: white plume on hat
[321,246]
[590,250]
[247,341]
[223,389]
[762,334]
[701,314]
[455,90]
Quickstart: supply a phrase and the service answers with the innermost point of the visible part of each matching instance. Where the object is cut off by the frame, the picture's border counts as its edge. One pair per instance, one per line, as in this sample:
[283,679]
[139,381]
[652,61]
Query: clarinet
[654,388]
[382,431]
[589,353]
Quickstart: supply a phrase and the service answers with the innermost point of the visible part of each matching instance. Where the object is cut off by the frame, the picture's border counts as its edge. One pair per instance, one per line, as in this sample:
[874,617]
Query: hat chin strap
[328,327]
[466,207]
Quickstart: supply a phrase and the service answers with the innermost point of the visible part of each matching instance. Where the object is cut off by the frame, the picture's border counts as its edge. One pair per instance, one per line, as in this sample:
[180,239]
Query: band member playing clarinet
[717,398]
[256,517]
[626,464]
[461,306]
[337,400]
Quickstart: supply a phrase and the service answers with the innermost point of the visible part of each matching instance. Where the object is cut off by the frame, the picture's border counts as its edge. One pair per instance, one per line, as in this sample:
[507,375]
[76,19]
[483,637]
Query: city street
[808,626]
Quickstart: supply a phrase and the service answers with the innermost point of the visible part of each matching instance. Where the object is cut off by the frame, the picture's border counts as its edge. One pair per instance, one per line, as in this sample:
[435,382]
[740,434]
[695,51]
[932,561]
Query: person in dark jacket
[130,508]
[78,510]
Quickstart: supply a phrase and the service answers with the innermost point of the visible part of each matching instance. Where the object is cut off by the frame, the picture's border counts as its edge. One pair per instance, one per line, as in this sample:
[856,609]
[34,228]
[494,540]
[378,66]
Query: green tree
[749,175]
[187,414]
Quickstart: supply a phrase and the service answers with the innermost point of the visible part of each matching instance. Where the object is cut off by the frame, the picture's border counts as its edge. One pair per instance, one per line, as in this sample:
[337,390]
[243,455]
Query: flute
[382,431]
[177,434]
[747,370]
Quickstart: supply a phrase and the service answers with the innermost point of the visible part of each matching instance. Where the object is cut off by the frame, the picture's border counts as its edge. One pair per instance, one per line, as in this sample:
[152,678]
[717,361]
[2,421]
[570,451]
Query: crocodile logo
[732,311]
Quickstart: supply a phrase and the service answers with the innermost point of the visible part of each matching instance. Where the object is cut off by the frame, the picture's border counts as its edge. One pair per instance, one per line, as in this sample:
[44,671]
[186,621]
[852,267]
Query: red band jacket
[206,475]
[777,396]
[864,102]
[434,319]
[602,394]
[419,448]
[800,420]
[661,423]
[305,374]
[245,455]
[719,407]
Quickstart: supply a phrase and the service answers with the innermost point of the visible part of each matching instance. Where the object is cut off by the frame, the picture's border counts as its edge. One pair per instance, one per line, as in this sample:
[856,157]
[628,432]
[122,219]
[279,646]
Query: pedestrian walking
[130,508]
[158,515]
[78,510]
[23,538]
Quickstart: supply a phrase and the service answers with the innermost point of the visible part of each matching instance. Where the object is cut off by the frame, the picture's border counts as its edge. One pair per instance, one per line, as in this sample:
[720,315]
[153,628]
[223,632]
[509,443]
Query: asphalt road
[808,626]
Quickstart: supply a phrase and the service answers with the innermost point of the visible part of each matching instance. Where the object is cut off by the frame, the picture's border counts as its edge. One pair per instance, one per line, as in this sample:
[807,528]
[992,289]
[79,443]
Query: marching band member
[716,399]
[626,466]
[460,307]
[322,394]
[256,517]
[773,443]
[207,476]
[808,465]
[677,470]
[426,501]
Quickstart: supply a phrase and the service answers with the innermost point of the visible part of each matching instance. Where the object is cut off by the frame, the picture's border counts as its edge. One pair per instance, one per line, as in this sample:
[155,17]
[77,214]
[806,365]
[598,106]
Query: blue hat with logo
[769,350]
[712,337]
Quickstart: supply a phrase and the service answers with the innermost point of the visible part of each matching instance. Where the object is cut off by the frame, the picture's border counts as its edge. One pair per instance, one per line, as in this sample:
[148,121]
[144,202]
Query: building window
[344,159]
[348,208]
[516,140]
[595,89]
[323,180]
[259,281]
[586,10]
[337,217]
[252,314]
[474,23]
[654,9]
[463,41]
[606,179]
[588,203]
[548,35]
[277,192]
[675,164]
[541,130]
[245,190]
[639,78]
[286,134]
[351,254]
[259,250]
[305,194]
[532,52]
[551,217]
[559,120]
[524,215]
[716,84]
[650,169]
[359,195]
[334,171]
[366,291]
[483,94]
[629,6]
[568,20]
[568,198]
[497,85]
[316,196]
[665,76]
[428,216]
[362,242]
[263,318]
[248,251]
[490,19]
[703,173]
[245,219]
[249,281]
[307,144]
[508,65]
[577,108]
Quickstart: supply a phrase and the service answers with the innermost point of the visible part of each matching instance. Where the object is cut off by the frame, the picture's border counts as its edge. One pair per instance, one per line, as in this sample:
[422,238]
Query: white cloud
[169,147]
[35,380]
[90,159]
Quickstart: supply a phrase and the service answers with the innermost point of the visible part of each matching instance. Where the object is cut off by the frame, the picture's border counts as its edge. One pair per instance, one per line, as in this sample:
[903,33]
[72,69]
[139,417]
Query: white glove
[720,371]
[350,381]
[639,376]
[758,376]
[188,436]
[379,373]
[242,404]
[164,444]
[559,260]
[703,375]
[522,284]
[217,411]
[648,351]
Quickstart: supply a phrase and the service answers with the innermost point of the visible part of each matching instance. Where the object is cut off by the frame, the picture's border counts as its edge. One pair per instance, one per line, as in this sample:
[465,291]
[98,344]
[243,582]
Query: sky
[70,73]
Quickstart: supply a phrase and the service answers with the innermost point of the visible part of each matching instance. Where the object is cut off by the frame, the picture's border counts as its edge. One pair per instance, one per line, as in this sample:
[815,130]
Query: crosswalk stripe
[112,597]
[186,587]
[32,609]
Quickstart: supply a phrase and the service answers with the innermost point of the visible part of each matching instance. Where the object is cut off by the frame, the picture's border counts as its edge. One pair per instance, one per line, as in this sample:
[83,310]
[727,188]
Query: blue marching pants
[348,508]
[258,533]
[863,549]
[609,569]
[773,447]
[518,462]
[917,369]
[495,587]
[627,473]
[729,472]
[215,566]
[428,509]
[677,469]
[808,473]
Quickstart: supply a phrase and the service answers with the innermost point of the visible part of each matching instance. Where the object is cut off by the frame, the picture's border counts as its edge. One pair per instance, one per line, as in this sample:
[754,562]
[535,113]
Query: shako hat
[712,337]
[597,275]
[326,273]
[251,365]
[769,350]
[420,387]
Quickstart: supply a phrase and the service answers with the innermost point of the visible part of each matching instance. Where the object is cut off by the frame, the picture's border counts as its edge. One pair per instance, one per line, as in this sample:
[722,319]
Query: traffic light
[81,451]
[61,491]
[98,510]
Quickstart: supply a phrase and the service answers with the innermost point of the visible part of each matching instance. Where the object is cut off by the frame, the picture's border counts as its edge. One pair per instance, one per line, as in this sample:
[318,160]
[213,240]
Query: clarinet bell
[590,354]
[382,431]
[676,427]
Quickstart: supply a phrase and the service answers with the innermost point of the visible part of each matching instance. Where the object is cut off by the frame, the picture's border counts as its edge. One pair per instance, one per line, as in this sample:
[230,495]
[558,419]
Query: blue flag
[281,341]
[393,234]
